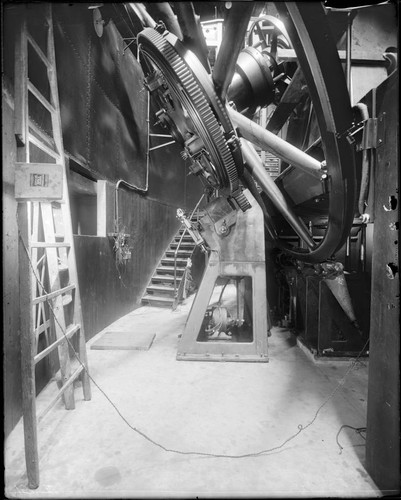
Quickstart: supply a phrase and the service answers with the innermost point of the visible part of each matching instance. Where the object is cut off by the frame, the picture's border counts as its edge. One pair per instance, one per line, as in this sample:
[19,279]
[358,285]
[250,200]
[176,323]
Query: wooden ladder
[51,316]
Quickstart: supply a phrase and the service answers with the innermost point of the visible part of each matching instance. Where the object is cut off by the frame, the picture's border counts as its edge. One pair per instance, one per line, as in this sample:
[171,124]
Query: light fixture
[98,22]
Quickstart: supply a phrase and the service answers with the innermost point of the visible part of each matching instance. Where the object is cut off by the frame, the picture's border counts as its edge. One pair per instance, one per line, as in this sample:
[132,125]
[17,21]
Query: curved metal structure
[318,58]
[208,135]
[193,106]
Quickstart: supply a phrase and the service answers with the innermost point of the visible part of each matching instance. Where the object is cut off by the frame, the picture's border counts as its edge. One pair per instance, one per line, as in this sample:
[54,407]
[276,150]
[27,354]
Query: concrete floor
[219,408]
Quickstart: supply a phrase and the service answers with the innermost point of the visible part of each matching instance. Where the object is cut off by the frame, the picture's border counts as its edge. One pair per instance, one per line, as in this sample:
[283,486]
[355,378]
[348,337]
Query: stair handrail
[181,287]
[179,244]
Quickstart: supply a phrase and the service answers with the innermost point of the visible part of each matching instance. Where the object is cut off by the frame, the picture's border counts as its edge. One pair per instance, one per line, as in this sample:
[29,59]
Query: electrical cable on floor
[358,430]
[301,427]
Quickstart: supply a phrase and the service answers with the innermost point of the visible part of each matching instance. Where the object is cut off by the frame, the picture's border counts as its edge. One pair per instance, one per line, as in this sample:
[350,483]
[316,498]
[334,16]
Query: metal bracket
[131,41]
[381,130]
[223,225]
[369,137]
[373,133]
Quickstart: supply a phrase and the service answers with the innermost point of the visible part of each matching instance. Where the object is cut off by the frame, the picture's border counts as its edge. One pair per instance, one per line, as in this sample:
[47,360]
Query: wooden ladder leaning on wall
[49,295]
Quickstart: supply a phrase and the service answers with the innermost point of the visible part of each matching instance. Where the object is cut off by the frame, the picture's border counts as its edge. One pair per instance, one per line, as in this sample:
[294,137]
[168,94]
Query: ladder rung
[40,97]
[42,328]
[70,332]
[46,149]
[70,381]
[44,244]
[39,51]
[40,133]
[52,295]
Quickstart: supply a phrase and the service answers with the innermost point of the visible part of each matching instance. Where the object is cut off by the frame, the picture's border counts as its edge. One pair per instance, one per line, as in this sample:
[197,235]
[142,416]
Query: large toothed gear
[217,154]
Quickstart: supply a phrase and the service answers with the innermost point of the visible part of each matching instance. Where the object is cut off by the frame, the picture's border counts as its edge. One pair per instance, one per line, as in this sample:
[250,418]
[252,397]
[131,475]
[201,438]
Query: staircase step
[157,301]
[160,291]
[164,290]
[181,254]
[184,244]
[169,261]
[182,229]
[165,278]
[186,237]
[170,270]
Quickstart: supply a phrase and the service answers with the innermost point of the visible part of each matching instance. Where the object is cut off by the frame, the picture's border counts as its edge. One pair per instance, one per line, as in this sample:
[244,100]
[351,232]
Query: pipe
[255,167]
[163,145]
[233,41]
[127,184]
[143,15]
[258,135]
[363,109]
[348,54]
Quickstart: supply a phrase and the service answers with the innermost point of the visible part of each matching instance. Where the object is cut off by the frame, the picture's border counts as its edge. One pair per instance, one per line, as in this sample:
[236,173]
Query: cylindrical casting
[254,165]
[271,142]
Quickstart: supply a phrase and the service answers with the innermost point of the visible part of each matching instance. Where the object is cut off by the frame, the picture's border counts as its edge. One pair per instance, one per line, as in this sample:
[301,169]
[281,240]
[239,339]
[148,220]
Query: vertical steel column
[349,54]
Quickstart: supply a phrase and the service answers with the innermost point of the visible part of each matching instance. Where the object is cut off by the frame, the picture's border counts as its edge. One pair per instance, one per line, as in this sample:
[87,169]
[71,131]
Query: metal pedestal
[240,253]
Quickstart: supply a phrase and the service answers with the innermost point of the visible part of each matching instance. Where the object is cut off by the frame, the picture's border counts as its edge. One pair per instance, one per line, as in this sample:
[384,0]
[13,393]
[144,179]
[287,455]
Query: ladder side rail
[54,97]
[28,344]
[57,302]
[35,287]
[65,206]
[28,351]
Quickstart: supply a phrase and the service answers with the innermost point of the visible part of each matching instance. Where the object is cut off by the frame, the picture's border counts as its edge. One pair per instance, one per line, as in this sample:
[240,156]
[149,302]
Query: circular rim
[191,85]
[318,58]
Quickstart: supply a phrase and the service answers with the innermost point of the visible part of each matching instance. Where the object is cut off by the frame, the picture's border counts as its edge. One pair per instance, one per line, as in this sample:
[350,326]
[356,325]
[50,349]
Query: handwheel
[218,140]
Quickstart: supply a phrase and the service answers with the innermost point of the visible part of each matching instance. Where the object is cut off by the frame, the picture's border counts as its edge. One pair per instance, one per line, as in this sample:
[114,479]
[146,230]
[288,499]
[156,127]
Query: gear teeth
[242,201]
[165,56]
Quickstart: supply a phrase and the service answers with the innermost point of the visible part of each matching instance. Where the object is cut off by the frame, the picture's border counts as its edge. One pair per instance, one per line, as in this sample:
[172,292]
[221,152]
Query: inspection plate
[113,340]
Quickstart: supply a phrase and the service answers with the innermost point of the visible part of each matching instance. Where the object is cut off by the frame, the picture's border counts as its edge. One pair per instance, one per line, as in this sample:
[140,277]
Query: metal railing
[180,242]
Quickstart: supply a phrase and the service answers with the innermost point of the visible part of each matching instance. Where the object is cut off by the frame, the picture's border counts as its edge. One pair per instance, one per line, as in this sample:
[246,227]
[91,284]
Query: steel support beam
[255,167]
[267,141]
[236,25]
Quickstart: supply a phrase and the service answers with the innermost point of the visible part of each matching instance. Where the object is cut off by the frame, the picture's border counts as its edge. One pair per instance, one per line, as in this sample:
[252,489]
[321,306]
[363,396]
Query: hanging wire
[358,430]
[265,451]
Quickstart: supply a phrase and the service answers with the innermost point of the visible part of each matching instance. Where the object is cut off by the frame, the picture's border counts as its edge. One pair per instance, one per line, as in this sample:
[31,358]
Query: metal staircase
[163,287]
[167,287]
